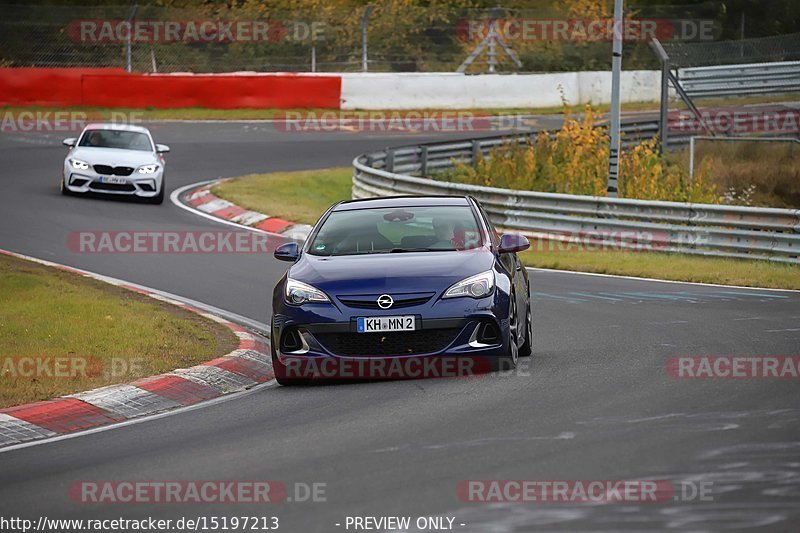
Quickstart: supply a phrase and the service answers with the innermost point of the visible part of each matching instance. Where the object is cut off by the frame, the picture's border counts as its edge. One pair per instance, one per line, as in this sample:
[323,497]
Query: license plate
[113,179]
[386,323]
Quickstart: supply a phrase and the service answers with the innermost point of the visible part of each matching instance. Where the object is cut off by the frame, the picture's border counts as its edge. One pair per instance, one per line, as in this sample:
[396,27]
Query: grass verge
[677,267]
[62,333]
[297,196]
[200,113]
[304,196]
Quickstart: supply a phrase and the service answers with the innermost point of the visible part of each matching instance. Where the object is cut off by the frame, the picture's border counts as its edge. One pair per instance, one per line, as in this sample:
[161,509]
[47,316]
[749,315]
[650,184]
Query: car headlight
[78,164]
[477,286]
[298,293]
[148,169]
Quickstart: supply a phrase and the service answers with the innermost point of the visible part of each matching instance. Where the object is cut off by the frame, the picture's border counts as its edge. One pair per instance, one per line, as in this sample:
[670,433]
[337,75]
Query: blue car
[384,287]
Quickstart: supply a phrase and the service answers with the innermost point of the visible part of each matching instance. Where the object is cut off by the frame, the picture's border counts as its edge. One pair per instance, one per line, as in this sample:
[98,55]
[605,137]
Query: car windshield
[126,140]
[397,230]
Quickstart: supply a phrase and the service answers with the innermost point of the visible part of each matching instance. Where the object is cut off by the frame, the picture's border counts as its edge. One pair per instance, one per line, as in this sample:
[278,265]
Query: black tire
[526,350]
[159,198]
[64,190]
[509,362]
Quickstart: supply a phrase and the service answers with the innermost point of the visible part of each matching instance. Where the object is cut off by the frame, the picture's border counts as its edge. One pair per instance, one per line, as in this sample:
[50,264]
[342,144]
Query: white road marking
[634,278]
[201,405]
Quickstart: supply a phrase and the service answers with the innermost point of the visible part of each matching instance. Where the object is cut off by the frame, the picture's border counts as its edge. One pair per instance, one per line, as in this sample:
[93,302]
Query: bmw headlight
[477,286]
[148,169]
[298,293]
[78,164]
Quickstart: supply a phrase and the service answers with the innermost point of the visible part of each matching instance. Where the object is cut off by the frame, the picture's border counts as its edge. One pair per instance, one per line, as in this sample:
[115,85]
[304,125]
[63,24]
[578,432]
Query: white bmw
[117,159]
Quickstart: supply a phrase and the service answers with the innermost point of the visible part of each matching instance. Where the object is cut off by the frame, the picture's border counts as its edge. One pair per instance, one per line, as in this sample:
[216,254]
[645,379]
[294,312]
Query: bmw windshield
[126,140]
[395,230]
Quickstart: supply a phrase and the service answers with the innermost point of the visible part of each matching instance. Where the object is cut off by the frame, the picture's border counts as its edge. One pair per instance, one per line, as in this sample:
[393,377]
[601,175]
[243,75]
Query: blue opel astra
[383,286]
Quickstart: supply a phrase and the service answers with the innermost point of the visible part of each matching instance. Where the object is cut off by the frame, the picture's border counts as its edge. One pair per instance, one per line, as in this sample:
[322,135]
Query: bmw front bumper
[140,185]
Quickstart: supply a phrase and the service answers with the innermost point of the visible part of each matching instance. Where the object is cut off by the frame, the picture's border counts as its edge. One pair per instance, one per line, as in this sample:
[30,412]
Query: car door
[513,265]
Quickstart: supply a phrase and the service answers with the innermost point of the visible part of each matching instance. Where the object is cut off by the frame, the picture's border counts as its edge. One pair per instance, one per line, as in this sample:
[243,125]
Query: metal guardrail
[726,80]
[703,229]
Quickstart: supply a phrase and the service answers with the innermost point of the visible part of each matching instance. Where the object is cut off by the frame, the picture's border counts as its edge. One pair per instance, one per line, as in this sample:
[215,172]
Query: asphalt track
[594,403]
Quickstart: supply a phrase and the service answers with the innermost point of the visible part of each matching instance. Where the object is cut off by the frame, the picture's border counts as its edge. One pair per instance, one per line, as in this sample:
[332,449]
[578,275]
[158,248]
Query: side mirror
[511,242]
[287,252]
[70,142]
[162,148]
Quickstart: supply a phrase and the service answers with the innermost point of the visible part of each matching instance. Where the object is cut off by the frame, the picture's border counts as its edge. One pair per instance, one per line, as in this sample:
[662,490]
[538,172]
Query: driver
[94,139]
[444,229]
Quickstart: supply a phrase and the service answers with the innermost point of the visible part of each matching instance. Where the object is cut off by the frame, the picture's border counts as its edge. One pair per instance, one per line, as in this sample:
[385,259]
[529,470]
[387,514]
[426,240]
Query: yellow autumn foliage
[574,160]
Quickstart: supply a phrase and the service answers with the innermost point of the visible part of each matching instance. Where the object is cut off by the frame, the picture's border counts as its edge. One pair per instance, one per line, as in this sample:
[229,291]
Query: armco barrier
[704,229]
[737,80]
[117,88]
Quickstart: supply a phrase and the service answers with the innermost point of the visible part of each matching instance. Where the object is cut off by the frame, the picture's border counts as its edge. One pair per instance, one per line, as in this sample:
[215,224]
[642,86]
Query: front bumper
[322,341]
[86,181]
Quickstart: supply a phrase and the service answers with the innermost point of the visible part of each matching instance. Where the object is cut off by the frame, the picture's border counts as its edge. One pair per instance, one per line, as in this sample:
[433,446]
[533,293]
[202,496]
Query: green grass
[297,196]
[102,334]
[200,113]
[676,267]
[304,196]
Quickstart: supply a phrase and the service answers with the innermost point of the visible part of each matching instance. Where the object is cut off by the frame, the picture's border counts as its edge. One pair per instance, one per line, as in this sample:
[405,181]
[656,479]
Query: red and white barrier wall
[117,88]
[458,91]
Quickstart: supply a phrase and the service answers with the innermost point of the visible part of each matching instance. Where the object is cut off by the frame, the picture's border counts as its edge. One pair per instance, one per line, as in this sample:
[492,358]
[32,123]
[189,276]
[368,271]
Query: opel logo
[385,301]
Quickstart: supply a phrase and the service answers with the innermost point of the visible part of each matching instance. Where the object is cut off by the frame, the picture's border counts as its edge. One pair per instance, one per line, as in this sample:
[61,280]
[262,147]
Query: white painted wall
[459,91]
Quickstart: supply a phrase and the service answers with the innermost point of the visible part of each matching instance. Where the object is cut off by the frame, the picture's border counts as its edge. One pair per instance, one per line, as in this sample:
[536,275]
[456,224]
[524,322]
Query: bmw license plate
[113,179]
[386,323]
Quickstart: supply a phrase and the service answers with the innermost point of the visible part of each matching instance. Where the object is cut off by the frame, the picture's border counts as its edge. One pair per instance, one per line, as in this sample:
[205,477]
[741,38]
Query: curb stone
[201,199]
[248,365]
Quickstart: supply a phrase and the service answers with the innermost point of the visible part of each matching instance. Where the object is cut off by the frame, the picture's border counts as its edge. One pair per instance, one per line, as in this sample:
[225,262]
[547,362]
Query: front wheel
[509,361]
[527,347]
[159,198]
[64,190]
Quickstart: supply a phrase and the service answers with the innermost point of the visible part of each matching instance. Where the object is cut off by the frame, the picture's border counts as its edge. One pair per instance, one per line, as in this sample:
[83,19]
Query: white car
[117,159]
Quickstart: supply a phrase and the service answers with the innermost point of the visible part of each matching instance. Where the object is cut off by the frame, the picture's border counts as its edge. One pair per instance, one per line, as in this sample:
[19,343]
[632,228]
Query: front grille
[371,302]
[125,187]
[113,171]
[418,342]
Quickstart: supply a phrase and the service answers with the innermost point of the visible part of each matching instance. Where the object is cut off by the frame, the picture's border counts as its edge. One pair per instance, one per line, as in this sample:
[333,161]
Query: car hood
[407,272]
[113,156]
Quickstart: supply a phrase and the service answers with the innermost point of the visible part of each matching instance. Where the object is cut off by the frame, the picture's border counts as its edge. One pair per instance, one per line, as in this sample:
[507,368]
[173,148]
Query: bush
[574,160]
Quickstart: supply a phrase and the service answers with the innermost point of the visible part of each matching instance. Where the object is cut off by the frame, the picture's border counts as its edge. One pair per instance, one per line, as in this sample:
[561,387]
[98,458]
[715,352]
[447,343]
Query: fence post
[390,160]
[128,43]
[663,120]
[423,169]
[476,149]
[364,66]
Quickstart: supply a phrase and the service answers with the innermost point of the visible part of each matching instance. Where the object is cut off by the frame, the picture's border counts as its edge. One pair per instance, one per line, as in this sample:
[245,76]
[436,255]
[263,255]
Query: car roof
[400,201]
[116,126]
